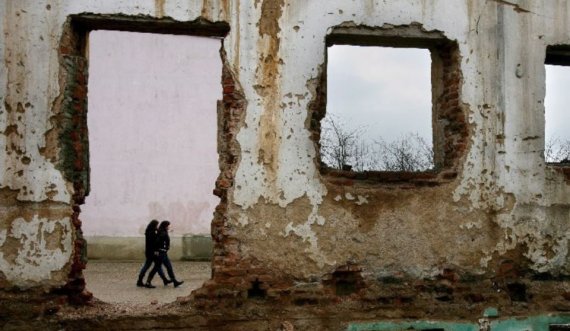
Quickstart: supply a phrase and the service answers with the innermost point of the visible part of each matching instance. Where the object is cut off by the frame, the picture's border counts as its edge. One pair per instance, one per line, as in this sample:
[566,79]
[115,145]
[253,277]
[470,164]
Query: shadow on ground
[115,282]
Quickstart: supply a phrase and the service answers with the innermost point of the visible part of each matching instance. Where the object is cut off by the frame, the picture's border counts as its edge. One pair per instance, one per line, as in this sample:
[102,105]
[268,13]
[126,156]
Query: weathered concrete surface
[490,228]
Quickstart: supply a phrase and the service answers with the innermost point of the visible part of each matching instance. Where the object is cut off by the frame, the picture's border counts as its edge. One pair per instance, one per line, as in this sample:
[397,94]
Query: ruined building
[480,242]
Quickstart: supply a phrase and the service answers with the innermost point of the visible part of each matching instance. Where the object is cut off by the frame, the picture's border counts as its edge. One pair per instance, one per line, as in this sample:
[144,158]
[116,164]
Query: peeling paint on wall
[543,234]
[270,158]
[483,187]
[159,8]
[282,222]
[30,250]
[27,95]
[268,87]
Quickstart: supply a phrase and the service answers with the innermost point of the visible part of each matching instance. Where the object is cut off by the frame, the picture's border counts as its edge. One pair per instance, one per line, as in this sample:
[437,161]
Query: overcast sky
[557,102]
[388,91]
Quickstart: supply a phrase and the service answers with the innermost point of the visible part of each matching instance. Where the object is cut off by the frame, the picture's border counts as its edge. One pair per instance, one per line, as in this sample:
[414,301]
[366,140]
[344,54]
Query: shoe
[149,285]
[178,283]
[140,283]
[166,282]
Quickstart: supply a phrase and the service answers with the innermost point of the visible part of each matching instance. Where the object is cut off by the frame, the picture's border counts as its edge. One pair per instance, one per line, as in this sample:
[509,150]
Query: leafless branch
[557,150]
[348,149]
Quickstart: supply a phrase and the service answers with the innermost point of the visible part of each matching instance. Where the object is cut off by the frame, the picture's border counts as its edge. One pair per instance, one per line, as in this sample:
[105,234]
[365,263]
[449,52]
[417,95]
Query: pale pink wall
[152,132]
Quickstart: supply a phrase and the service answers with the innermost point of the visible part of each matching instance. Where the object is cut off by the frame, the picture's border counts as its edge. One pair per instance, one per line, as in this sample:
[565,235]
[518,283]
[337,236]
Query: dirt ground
[115,282]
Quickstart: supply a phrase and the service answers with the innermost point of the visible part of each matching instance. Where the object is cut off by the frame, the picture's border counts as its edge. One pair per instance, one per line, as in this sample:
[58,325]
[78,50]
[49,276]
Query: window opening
[379,109]
[440,128]
[557,114]
[153,155]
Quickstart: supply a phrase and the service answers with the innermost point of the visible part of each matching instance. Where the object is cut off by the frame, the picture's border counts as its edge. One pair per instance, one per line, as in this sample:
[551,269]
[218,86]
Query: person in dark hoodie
[163,245]
[150,235]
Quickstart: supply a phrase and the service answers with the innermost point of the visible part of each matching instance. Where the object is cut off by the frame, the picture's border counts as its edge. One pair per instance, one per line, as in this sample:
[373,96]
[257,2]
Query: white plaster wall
[152,132]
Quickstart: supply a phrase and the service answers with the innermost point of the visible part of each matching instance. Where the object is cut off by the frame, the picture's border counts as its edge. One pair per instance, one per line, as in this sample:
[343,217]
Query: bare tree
[408,153]
[344,148]
[557,150]
[348,149]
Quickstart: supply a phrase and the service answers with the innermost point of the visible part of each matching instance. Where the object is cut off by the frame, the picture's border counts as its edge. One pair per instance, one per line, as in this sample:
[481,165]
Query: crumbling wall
[315,222]
[37,237]
[485,230]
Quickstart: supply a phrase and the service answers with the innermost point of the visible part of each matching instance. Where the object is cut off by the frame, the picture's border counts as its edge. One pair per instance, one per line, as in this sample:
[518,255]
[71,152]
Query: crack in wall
[516,7]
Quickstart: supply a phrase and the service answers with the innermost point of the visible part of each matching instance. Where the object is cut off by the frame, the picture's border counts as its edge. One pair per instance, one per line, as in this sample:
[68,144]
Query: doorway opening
[152,152]
[147,150]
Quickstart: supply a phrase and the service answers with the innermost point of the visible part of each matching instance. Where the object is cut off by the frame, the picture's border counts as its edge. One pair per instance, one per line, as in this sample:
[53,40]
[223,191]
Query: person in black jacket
[150,235]
[161,258]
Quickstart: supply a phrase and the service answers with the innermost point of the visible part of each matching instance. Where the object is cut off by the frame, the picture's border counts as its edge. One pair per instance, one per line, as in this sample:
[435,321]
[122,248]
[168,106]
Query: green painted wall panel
[416,325]
[533,323]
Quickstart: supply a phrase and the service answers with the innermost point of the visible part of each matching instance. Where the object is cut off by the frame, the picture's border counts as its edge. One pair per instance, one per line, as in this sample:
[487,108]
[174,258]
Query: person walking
[150,235]
[161,258]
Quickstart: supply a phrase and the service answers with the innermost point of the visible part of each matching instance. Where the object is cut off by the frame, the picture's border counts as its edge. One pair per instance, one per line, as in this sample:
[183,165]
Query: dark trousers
[149,261]
[162,259]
